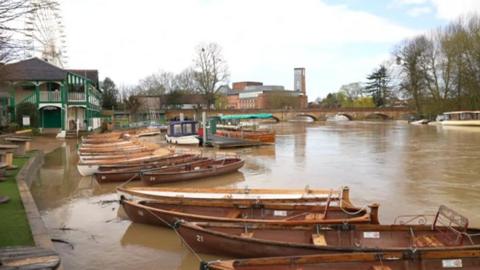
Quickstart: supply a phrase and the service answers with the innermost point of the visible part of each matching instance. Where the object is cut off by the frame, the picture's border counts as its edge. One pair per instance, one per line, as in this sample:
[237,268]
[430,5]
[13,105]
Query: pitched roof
[31,70]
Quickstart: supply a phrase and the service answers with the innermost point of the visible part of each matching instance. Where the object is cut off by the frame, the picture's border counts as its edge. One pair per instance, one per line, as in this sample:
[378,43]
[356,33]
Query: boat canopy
[247,116]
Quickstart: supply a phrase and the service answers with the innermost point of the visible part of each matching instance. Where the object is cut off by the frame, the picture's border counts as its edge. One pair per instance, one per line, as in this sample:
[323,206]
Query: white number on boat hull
[152,178]
[455,263]
[199,238]
[374,235]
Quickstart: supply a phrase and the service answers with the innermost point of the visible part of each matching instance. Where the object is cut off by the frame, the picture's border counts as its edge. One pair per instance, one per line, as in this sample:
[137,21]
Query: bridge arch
[377,115]
[313,117]
[350,118]
[276,118]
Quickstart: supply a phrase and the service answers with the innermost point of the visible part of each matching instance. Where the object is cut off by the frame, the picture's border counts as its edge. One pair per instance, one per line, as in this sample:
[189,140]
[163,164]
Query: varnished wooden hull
[90,168]
[259,136]
[133,172]
[254,241]
[152,178]
[167,213]
[421,260]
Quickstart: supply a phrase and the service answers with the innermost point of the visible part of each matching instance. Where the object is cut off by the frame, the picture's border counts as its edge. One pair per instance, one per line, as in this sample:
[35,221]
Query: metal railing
[50,96]
[76,96]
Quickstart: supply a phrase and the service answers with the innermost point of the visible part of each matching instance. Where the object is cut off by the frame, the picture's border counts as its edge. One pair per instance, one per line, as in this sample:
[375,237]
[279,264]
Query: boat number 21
[199,238]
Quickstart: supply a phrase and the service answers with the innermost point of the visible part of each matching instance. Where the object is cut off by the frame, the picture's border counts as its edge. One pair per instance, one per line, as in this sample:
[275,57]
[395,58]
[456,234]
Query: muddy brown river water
[407,169]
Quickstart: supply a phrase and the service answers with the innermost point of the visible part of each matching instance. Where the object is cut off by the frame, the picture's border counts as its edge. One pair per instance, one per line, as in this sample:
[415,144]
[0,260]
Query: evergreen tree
[378,85]
[110,93]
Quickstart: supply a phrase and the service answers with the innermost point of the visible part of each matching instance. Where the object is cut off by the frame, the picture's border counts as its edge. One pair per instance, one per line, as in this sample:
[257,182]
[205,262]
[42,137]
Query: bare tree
[211,70]
[352,90]
[409,56]
[185,81]
[157,83]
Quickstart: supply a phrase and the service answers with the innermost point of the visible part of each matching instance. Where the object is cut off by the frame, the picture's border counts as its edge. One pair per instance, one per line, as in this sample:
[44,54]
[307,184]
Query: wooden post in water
[204,124]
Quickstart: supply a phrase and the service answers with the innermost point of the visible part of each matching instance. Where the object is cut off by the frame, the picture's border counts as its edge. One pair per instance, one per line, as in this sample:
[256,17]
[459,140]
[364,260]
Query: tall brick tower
[300,86]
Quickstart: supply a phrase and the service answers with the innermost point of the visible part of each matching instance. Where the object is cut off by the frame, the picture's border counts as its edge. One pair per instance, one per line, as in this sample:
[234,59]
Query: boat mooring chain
[128,181]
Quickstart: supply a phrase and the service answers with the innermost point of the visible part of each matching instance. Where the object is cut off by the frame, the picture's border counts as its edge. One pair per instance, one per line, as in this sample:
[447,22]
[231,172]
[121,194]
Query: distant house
[152,107]
[65,99]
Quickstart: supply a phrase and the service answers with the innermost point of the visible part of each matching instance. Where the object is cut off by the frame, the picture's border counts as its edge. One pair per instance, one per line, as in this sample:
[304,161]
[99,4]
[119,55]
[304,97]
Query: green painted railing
[50,96]
[31,98]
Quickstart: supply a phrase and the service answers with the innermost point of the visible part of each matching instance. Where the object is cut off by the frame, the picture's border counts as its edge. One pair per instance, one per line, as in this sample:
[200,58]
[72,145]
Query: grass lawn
[14,226]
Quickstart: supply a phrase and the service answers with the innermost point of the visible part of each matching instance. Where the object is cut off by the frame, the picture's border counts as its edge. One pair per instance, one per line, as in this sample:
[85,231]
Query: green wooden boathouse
[66,100]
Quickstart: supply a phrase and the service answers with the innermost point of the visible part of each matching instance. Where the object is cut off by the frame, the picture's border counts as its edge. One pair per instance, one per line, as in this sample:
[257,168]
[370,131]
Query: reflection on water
[395,164]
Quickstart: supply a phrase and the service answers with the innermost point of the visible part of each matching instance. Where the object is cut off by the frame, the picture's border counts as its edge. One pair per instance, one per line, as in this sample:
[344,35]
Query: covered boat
[166,213]
[461,118]
[466,259]
[244,196]
[189,172]
[449,231]
[182,132]
[247,132]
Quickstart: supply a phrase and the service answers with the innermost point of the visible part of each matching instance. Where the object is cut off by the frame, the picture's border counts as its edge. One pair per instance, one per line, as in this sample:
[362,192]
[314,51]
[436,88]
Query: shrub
[27,109]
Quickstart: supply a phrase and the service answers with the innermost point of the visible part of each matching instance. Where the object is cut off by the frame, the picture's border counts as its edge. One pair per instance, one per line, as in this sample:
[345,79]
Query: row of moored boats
[303,229]
[117,157]
[272,228]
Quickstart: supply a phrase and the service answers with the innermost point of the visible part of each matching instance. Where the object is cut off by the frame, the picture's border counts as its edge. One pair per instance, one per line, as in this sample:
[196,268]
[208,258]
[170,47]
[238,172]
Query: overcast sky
[338,42]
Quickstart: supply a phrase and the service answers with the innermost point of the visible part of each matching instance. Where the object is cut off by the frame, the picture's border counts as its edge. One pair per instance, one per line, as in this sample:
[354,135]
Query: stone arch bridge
[315,114]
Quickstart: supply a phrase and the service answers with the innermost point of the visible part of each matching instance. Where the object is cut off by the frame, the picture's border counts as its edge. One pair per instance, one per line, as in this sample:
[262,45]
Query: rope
[364,208]
[178,235]
[128,181]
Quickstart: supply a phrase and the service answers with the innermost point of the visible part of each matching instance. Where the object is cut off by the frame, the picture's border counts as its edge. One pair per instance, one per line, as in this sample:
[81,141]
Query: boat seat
[428,241]
[247,234]
[380,267]
[314,216]
[318,239]
[233,213]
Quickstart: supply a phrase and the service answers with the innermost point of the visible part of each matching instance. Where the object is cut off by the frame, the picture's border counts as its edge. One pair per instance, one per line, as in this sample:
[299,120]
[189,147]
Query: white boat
[337,118]
[190,139]
[182,132]
[420,122]
[87,169]
[234,194]
[461,118]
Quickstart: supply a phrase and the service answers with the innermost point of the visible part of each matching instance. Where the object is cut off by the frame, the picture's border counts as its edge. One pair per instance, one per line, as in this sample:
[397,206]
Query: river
[407,169]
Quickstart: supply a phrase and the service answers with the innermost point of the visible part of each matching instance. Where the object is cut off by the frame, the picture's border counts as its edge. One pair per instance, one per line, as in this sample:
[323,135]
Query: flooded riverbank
[407,169]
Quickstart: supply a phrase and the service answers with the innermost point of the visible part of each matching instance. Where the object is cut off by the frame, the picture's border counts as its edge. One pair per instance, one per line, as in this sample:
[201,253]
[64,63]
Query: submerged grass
[14,226]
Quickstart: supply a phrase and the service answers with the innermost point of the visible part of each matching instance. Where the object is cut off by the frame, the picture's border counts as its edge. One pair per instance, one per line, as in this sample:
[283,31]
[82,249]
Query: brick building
[256,95]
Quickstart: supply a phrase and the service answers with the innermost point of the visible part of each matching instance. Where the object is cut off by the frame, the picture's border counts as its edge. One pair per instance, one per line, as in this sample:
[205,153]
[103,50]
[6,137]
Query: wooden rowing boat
[116,155]
[189,172]
[112,151]
[166,213]
[465,259]
[243,196]
[110,144]
[449,231]
[251,135]
[89,167]
[133,172]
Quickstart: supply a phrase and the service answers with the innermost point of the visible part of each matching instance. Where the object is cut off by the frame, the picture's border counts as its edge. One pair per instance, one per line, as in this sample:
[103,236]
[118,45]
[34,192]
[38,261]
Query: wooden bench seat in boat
[314,216]
[233,213]
[428,241]
[318,239]
[380,267]
[247,234]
